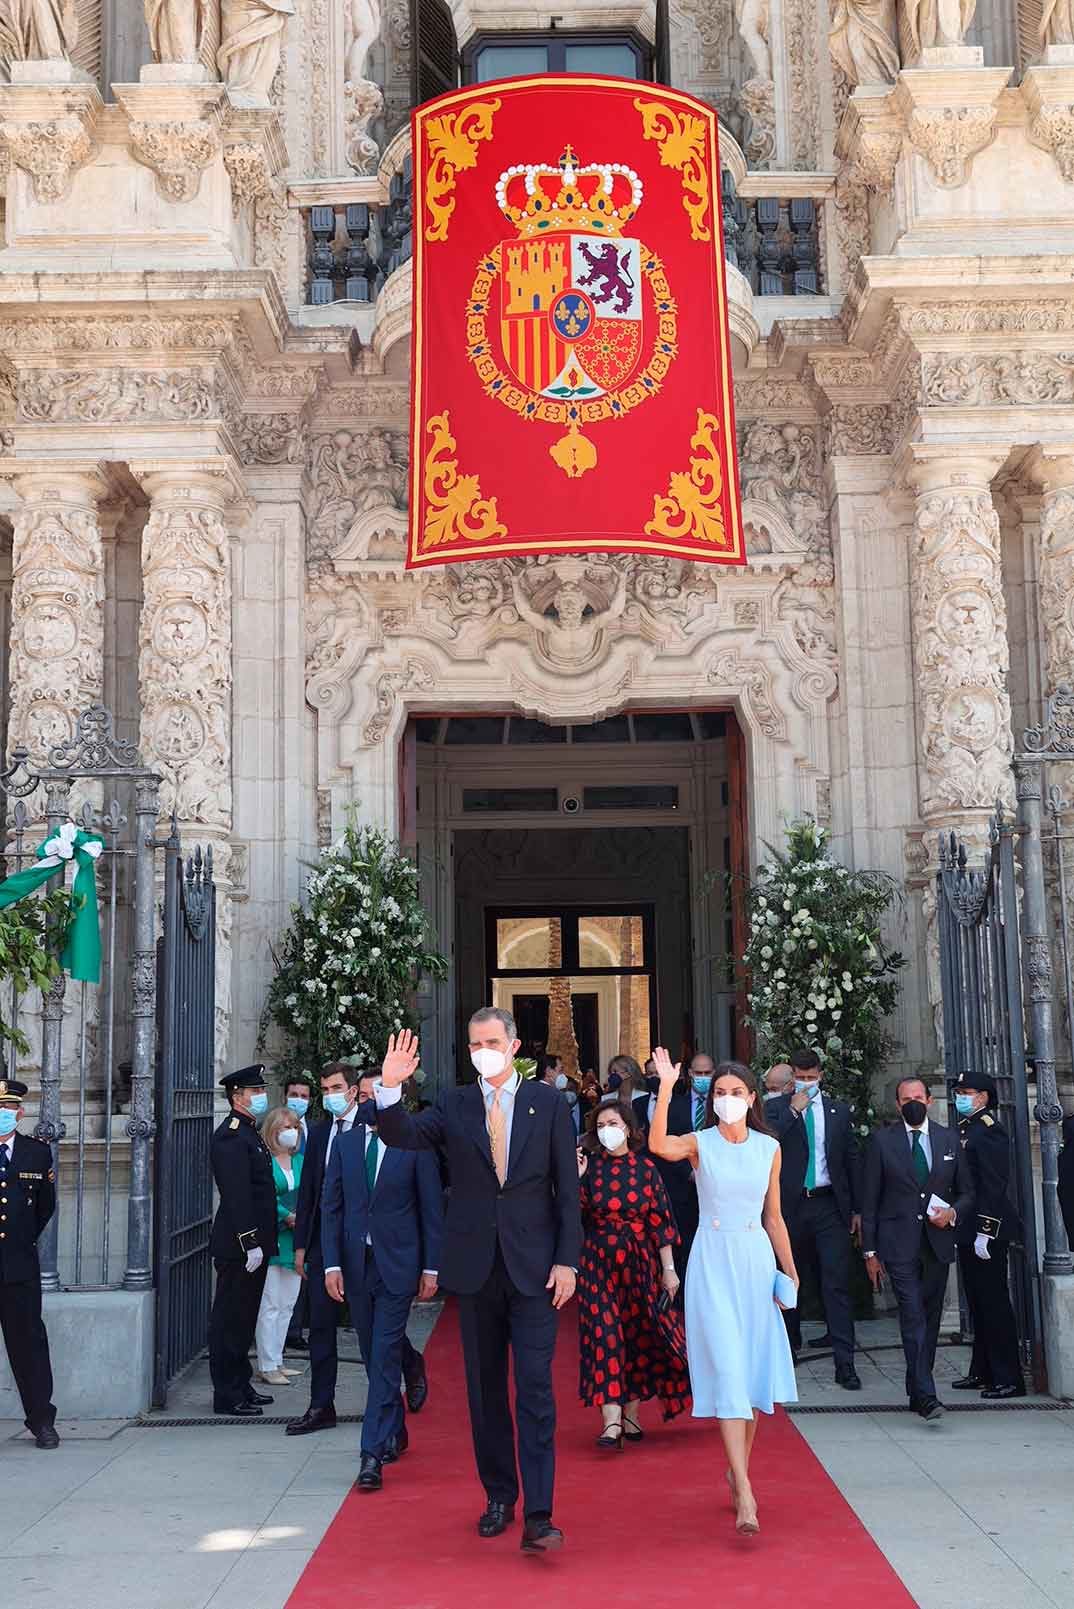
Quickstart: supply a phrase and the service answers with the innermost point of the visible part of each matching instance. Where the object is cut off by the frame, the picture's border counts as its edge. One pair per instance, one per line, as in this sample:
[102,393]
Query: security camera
[571,805]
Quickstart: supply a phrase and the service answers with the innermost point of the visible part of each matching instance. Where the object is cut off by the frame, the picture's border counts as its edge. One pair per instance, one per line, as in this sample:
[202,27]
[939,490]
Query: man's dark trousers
[493,1317]
[231,1331]
[324,1357]
[380,1319]
[919,1288]
[996,1359]
[821,1239]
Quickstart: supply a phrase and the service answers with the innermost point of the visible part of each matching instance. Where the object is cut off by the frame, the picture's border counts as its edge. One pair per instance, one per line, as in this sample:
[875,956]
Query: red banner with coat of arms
[571,357]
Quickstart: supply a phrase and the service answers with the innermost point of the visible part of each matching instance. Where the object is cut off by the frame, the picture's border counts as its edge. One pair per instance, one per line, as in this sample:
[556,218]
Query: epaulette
[989,1122]
[234,1124]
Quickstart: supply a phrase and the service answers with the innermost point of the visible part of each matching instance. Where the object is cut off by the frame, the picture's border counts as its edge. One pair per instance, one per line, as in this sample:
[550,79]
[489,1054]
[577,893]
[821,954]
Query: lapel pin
[531,1111]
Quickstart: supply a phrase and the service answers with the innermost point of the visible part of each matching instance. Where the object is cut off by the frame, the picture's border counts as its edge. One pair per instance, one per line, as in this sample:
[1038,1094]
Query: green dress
[286,1201]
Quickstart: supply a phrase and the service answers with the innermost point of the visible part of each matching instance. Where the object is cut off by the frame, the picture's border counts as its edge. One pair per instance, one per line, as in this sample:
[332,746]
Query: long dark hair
[622,1110]
[735,1069]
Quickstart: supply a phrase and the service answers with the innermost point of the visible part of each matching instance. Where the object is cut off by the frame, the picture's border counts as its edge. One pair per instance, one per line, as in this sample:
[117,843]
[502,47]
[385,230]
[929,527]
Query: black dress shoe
[930,1409]
[969,1382]
[369,1477]
[847,1377]
[993,1394]
[296,1343]
[258,1398]
[540,1536]
[46,1438]
[313,1419]
[820,1341]
[395,1447]
[496,1518]
[242,1410]
[417,1386]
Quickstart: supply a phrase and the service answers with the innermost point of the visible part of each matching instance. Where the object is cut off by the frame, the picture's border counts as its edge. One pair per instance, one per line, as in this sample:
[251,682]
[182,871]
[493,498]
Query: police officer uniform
[27,1202]
[983,1244]
[243,1239]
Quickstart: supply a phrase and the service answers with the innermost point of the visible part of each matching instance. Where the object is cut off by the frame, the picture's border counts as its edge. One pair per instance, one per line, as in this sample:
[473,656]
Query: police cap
[244,1078]
[983,1083]
[12,1092]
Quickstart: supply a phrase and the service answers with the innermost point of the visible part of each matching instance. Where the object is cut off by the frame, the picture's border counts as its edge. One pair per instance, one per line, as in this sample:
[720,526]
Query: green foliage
[351,959]
[820,973]
[32,934]
[525,1066]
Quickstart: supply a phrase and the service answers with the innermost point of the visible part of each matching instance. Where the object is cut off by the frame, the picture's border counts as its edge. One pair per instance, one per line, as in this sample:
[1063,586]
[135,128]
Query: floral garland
[351,959]
[820,972]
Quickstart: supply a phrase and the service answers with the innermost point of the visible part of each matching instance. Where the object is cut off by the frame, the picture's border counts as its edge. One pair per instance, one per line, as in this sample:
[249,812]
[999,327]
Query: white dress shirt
[821,1176]
[370,1137]
[348,1120]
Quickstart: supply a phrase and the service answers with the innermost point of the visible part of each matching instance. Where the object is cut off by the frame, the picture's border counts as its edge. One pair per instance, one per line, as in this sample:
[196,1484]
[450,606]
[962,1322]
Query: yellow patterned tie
[496,1123]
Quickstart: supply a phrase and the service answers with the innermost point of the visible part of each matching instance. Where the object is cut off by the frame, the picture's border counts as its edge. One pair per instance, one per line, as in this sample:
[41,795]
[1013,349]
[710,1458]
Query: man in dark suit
[27,1202]
[381,1227]
[242,1241]
[512,1240]
[906,1165]
[687,1102]
[984,1240]
[820,1188]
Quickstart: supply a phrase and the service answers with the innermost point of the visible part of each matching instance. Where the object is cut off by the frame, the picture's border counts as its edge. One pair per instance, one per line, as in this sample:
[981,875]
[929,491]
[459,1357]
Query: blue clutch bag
[783,1290]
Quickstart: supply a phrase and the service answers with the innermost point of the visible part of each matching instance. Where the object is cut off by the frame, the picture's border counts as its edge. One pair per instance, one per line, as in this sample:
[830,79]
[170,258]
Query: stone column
[57,603]
[959,632]
[184,666]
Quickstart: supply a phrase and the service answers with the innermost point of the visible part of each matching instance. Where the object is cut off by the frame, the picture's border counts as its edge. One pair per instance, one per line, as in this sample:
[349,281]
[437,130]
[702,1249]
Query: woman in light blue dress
[736,1341]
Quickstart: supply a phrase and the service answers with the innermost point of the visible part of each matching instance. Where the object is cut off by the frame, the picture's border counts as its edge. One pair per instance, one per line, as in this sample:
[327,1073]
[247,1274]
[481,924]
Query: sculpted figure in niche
[1057,22]
[37,30]
[862,40]
[932,23]
[751,16]
[251,35]
[362,20]
[568,635]
[175,28]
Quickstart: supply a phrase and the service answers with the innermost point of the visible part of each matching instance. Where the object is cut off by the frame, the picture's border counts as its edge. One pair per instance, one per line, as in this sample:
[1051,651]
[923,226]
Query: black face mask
[652,1085]
[914,1113]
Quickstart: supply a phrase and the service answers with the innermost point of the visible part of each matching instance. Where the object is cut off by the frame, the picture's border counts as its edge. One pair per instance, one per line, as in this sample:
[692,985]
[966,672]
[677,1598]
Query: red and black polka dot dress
[629,1350]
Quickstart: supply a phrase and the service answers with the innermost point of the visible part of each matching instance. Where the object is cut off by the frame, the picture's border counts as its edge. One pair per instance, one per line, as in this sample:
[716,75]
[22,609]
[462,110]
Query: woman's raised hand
[667,1070]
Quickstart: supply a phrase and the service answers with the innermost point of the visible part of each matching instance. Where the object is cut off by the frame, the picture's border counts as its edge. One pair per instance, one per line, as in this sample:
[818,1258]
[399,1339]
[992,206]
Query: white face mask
[488,1062]
[611,1136]
[288,1138]
[731,1108]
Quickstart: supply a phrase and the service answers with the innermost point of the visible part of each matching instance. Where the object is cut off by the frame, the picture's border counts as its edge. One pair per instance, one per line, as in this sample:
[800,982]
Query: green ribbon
[81,954]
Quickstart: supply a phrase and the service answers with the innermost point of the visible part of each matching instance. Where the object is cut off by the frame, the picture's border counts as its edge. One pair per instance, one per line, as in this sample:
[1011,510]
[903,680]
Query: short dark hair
[495,1014]
[548,1061]
[352,1074]
[805,1059]
[297,1079]
[912,1078]
[623,1110]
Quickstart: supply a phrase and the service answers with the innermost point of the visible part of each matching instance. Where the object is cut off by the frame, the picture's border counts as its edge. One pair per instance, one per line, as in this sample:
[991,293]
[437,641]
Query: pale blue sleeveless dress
[736,1340]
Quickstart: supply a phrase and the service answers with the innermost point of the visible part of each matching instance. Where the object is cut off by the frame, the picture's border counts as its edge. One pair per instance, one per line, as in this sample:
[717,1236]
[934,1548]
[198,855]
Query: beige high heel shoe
[746,1521]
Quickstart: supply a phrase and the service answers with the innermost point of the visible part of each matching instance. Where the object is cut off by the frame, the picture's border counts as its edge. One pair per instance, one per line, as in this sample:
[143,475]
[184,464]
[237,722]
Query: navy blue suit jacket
[894,1209]
[404,1216]
[535,1218]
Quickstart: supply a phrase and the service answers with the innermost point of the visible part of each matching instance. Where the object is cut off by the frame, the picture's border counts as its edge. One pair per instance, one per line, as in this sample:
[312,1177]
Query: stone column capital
[1052,469]
[74,484]
[936,467]
[206,483]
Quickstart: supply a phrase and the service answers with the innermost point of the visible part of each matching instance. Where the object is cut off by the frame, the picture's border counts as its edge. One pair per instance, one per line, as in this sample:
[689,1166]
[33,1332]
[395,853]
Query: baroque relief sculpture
[862,40]
[175,29]
[353,473]
[931,24]
[251,36]
[363,99]
[38,30]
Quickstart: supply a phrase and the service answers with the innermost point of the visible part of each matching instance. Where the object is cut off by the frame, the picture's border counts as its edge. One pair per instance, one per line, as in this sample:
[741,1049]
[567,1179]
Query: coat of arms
[571,322]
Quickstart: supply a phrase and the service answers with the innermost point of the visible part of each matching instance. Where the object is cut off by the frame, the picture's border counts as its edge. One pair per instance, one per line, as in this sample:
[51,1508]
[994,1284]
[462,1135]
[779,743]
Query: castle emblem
[571,322]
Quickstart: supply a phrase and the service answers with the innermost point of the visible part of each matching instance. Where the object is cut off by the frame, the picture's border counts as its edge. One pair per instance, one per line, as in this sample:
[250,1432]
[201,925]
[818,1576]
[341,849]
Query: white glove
[255,1258]
[980,1246]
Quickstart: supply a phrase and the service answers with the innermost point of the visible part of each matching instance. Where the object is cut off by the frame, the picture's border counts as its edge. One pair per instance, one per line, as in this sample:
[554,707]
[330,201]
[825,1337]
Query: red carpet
[644,1527]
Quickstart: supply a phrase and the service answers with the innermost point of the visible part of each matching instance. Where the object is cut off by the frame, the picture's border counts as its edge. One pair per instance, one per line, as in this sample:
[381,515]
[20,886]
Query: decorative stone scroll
[50,132]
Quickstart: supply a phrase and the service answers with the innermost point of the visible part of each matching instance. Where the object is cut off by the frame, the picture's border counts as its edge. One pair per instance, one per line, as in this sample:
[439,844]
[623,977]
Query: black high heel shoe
[635,1433]
[611,1440]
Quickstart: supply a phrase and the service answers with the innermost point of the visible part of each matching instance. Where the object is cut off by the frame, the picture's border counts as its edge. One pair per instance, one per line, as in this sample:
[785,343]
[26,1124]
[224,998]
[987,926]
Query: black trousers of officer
[231,1331]
[919,1286]
[996,1360]
[821,1240]
[27,1350]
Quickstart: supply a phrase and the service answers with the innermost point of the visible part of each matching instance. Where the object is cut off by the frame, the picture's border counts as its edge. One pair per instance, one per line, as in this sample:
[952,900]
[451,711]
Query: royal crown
[598,198]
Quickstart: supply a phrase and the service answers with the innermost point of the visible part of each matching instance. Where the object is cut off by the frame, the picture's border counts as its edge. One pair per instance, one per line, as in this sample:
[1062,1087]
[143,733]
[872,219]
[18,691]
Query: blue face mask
[702,1082]
[258,1104]
[806,1087]
[8,1121]
[337,1103]
[964,1105]
[298,1104]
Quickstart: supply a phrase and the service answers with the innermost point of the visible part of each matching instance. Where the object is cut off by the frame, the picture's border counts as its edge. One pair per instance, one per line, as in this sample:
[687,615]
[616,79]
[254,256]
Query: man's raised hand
[667,1070]
[401,1059]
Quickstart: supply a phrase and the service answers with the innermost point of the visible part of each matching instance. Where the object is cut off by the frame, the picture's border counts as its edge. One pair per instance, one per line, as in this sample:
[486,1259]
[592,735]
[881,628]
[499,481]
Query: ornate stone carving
[803,71]
[251,35]
[1056,593]
[949,137]
[1031,316]
[1052,129]
[933,24]
[862,40]
[985,379]
[51,152]
[854,429]
[416,674]
[270,438]
[115,395]
[961,653]
[63,334]
[568,609]
[851,224]
[38,30]
[248,170]
[757,99]
[175,30]
[363,102]
[57,625]
[1056,25]
[751,678]
[178,153]
[353,472]
[184,665]
[778,469]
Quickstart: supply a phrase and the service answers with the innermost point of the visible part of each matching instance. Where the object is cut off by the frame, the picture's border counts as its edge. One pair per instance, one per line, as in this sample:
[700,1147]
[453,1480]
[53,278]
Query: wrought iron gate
[186,1022]
[983,1028]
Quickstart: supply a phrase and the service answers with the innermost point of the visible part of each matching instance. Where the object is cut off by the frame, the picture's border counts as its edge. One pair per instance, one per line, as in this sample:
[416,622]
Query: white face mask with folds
[288,1138]
[611,1136]
[730,1108]
[489,1063]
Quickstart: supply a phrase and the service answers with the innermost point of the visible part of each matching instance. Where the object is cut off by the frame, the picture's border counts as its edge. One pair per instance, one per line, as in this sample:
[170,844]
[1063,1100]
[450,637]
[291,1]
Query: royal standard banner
[571,357]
